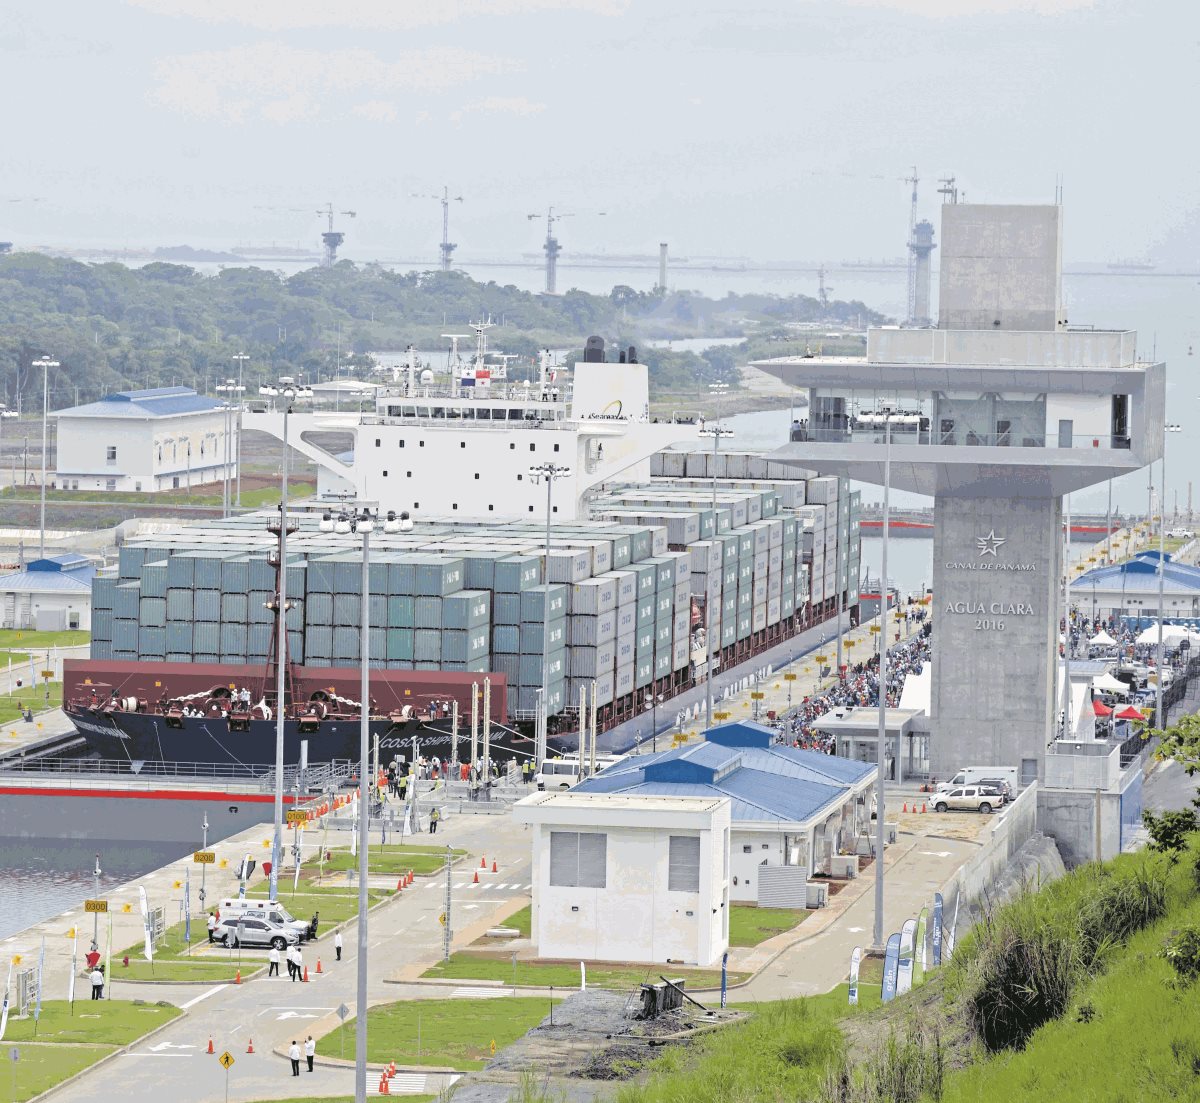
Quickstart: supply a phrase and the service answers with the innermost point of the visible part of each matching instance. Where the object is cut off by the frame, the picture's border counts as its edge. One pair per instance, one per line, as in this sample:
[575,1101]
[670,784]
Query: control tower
[996,414]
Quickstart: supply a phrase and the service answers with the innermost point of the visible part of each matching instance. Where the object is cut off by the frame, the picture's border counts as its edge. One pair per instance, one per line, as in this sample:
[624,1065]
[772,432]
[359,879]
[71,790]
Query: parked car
[969,798]
[1000,785]
[245,930]
[270,910]
[1180,534]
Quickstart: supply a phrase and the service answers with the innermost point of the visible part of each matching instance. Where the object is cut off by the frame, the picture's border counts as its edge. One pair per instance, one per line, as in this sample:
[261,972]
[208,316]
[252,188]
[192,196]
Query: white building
[50,594]
[619,878]
[167,438]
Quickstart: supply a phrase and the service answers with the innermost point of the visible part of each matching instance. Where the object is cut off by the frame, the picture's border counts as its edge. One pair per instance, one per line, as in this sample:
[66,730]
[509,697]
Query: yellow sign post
[99,907]
[297,816]
[226,1060]
[204,857]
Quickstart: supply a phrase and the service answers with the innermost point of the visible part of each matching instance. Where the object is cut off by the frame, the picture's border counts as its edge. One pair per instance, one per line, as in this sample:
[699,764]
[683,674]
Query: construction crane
[912,256]
[822,290]
[551,247]
[949,190]
[445,200]
[332,239]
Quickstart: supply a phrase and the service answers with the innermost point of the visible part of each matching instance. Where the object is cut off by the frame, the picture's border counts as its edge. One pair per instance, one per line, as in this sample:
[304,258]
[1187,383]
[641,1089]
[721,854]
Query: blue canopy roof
[763,782]
[1140,574]
[152,402]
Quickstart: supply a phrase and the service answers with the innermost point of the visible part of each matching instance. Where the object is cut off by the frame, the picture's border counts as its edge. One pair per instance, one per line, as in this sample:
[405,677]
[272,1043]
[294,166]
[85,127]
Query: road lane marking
[202,996]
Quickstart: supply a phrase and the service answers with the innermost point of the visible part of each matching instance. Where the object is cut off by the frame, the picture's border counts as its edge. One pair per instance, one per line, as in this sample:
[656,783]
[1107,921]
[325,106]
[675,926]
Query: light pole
[1162,551]
[5,412]
[363,523]
[96,896]
[45,363]
[716,432]
[233,391]
[879,756]
[652,700]
[547,473]
[241,359]
[287,393]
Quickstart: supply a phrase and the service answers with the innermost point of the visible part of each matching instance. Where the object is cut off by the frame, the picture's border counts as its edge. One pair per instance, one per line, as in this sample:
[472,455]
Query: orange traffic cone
[306,974]
[494,865]
[411,878]
[905,808]
[400,883]
[923,809]
[319,965]
[250,1047]
[383,1084]
[476,881]
[391,1069]
[238,978]
[210,1046]
[483,863]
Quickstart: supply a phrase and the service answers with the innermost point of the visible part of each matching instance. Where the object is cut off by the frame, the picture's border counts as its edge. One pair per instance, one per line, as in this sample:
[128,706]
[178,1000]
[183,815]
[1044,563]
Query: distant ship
[1130,266]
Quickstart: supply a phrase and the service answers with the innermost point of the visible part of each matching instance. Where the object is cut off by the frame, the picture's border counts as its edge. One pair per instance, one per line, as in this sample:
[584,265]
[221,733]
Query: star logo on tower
[990,544]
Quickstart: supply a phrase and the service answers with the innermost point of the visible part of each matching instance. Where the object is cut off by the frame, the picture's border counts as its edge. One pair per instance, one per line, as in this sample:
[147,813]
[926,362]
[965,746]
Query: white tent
[1102,639]
[1171,634]
[1106,683]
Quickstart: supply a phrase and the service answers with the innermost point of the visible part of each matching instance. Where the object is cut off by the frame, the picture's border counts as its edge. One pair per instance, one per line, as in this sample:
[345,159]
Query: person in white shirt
[273,958]
[298,959]
[337,944]
[294,1056]
[310,1051]
[97,984]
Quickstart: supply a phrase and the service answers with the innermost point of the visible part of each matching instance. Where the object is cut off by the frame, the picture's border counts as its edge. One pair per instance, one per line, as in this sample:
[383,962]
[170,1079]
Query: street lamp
[883,610]
[287,394]
[45,363]
[364,523]
[652,700]
[1162,550]
[241,359]
[229,387]
[547,473]
[716,432]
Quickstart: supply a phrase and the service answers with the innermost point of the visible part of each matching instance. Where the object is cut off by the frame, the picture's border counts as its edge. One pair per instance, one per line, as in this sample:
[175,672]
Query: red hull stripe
[147,794]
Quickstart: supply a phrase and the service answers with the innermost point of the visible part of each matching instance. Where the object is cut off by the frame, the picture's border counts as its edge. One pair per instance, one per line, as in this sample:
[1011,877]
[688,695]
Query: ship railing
[83,771]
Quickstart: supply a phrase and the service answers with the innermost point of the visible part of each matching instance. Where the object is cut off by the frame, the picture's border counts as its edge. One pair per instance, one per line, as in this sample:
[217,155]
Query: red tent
[1129,713]
[1101,709]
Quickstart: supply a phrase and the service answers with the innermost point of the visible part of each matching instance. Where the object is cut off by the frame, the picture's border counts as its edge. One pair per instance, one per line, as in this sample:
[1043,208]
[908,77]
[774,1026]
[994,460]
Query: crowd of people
[858,687]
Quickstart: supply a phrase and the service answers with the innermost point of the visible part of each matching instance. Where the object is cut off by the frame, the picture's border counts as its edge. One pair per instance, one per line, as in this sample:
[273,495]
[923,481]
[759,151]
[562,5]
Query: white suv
[968,798]
[246,930]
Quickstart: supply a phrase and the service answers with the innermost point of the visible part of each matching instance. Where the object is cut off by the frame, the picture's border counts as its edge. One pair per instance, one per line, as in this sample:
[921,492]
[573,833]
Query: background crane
[551,247]
[912,256]
[445,199]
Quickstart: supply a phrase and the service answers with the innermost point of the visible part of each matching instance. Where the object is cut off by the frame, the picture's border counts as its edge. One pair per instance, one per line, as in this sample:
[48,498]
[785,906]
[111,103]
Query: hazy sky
[772,129]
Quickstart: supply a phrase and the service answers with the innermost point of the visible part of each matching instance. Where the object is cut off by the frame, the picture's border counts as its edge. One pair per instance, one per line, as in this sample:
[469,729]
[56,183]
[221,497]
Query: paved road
[403,934]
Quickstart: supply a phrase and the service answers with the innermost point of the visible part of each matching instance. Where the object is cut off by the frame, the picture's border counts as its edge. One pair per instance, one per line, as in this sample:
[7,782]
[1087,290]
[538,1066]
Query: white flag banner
[855,964]
[907,935]
[148,948]
[74,967]
[4,1006]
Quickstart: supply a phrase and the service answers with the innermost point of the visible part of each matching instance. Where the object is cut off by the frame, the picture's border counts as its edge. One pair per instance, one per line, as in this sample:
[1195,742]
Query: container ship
[602,583]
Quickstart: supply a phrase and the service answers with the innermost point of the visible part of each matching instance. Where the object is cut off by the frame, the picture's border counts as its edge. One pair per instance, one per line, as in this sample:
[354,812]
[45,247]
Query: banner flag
[855,962]
[905,974]
[953,926]
[148,948]
[37,1007]
[74,967]
[921,962]
[937,928]
[891,965]
[4,1006]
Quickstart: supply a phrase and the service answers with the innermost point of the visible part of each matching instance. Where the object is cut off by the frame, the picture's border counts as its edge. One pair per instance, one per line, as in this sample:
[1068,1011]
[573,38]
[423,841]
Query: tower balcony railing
[925,435]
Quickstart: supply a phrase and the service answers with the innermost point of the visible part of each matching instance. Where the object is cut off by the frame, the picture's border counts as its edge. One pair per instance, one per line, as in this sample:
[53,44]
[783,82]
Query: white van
[972,775]
[563,773]
[232,908]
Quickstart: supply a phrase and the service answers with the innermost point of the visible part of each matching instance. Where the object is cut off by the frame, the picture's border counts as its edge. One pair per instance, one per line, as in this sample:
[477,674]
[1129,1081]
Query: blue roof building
[160,438]
[789,807]
[49,594]
[1131,589]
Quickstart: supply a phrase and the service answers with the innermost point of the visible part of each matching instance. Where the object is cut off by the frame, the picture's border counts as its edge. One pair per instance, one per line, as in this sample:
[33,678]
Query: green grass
[43,1066]
[748,926]
[66,1044]
[116,1022]
[394,859]
[544,974]
[1142,1041]
[251,499]
[33,696]
[343,1099]
[454,1033]
[172,961]
[521,920]
[24,639]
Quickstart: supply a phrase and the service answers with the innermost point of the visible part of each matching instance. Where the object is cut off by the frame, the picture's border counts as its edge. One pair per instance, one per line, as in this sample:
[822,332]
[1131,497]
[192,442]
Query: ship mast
[271,673]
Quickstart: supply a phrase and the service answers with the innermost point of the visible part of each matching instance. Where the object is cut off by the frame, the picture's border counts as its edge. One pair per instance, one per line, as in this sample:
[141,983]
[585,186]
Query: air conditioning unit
[817,894]
[844,865]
